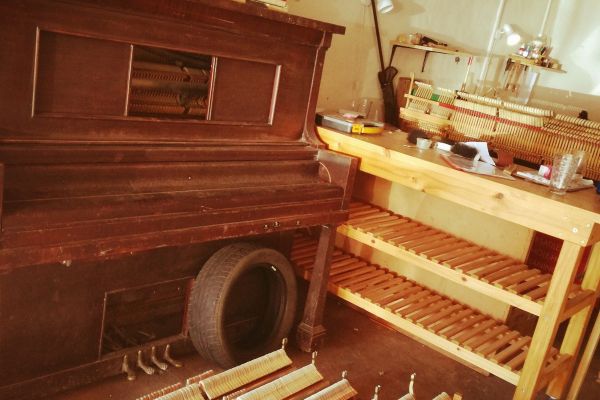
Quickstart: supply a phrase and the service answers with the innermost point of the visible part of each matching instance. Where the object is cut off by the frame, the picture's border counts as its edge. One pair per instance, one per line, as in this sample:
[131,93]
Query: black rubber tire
[213,297]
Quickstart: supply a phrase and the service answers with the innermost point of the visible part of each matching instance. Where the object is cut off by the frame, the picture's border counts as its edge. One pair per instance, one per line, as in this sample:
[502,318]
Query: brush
[464,150]
[414,134]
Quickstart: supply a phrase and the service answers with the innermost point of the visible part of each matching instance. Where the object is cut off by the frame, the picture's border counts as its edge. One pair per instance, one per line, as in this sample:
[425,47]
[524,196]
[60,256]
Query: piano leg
[311,331]
[1,192]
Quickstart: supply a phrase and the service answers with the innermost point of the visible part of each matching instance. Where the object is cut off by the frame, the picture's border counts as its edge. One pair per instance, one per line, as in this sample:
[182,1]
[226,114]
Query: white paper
[482,149]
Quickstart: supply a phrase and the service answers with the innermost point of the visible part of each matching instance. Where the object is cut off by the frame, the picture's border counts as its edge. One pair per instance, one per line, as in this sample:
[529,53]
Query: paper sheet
[483,150]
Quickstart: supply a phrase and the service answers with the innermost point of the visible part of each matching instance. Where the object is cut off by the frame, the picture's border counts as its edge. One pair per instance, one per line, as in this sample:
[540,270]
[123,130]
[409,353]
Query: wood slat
[408,299]
[517,362]
[488,348]
[453,253]
[357,281]
[493,333]
[420,305]
[344,267]
[429,310]
[389,226]
[492,268]
[414,245]
[536,281]
[451,320]
[448,242]
[375,222]
[403,230]
[369,282]
[462,326]
[455,262]
[465,335]
[397,296]
[480,262]
[380,287]
[401,241]
[511,350]
[352,274]
[537,293]
[510,271]
[383,296]
[368,216]
[432,319]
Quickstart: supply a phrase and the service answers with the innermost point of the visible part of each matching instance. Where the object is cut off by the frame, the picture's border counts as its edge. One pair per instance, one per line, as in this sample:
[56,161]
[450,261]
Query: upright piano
[138,138]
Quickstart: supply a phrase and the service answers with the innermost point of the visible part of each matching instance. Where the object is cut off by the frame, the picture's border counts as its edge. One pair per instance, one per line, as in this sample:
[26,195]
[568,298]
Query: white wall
[345,64]
[352,64]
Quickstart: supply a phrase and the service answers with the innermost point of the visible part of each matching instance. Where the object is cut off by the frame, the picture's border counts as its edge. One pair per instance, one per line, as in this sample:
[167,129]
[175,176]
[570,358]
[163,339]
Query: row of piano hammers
[269,377]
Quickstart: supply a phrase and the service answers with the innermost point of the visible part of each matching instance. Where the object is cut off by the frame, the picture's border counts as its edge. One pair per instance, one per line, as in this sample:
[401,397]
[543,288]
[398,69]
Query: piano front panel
[244,91]
[74,81]
[58,322]
[60,92]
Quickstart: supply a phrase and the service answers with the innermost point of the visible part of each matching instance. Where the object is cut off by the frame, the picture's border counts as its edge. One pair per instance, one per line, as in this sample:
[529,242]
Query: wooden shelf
[441,50]
[427,50]
[531,63]
[484,270]
[437,321]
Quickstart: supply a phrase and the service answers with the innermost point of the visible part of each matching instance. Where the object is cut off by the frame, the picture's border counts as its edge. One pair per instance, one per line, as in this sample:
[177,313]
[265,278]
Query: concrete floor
[371,353]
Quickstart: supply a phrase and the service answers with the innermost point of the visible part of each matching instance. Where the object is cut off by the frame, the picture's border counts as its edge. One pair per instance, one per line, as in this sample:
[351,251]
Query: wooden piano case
[137,138]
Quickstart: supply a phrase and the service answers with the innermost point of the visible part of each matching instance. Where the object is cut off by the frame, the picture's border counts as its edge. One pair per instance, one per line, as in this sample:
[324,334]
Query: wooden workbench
[574,218]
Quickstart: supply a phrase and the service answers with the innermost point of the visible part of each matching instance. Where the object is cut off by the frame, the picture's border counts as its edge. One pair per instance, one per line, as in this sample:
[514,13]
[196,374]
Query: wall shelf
[433,319]
[427,49]
[531,63]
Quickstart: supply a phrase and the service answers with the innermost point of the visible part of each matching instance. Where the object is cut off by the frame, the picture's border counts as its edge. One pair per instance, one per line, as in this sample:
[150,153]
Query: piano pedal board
[158,366]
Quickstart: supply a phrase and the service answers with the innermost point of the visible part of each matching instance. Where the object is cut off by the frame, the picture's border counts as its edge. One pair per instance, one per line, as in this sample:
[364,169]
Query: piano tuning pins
[169,359]
[140,363]
[127,369]
[376,394]
[161,365]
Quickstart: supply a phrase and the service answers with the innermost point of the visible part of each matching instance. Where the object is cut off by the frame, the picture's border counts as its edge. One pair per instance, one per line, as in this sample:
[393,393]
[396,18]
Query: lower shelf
[421,313]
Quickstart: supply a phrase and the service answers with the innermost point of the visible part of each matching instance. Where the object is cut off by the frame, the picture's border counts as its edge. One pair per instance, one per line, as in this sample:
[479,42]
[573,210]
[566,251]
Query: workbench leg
[586,359]
[545,330]
[311,331]
[577,326]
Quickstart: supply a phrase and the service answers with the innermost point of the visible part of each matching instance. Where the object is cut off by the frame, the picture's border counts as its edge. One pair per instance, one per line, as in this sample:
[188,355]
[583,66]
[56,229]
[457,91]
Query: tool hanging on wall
[386,79]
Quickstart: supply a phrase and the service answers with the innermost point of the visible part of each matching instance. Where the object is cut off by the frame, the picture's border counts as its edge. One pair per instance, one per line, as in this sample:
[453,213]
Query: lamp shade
[385,6]
[512,37]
